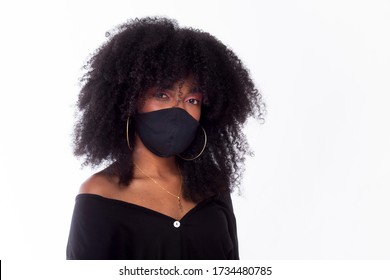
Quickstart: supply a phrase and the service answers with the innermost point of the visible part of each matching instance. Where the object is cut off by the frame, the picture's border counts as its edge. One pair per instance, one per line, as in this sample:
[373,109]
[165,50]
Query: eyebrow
[193,89]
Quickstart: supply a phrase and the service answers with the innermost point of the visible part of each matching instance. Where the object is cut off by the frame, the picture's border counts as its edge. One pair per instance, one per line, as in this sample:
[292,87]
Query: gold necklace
[158,184]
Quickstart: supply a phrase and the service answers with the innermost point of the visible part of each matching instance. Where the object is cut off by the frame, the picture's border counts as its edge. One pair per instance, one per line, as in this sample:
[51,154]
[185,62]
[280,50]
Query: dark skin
[142,190]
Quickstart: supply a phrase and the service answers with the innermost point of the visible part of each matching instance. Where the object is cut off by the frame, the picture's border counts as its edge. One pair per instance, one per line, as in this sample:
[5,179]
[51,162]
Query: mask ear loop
[201,152]
[127,133]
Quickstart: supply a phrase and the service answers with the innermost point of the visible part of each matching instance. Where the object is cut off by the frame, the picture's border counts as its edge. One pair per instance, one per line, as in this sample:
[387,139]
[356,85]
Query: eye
[161,95]
[193,101]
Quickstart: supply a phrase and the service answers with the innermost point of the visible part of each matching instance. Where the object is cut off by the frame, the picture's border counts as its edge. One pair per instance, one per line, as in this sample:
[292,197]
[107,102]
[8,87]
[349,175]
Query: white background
[318,186]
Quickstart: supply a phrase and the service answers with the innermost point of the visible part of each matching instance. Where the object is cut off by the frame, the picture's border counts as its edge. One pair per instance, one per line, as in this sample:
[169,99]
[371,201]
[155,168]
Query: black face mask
[166,132]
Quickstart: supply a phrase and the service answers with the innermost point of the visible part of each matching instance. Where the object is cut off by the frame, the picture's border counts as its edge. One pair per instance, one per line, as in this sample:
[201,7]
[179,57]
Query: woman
[162,107]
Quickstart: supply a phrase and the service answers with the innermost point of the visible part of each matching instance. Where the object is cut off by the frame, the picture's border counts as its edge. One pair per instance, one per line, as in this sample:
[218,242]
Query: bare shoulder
[99,184]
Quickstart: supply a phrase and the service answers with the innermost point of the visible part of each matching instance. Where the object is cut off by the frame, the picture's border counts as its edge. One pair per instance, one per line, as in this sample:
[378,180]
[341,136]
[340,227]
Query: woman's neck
[154,165]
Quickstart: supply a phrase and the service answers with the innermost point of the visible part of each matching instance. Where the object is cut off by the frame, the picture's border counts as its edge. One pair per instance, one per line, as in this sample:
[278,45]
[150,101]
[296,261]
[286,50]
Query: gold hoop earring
[127,133]
[201,152]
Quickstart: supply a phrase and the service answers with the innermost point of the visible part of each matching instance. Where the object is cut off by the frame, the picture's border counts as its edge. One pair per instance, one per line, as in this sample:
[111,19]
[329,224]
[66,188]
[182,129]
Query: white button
[176,224]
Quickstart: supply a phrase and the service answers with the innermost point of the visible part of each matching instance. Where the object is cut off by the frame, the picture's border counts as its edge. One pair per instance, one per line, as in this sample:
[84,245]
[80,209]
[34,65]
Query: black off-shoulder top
[108,229]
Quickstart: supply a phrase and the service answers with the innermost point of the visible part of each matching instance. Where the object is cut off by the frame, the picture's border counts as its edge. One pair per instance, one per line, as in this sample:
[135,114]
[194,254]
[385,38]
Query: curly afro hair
[150,52]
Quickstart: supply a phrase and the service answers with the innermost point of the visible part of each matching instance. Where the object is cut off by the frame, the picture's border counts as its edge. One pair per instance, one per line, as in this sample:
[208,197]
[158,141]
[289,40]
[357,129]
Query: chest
[203,233]
[156,199]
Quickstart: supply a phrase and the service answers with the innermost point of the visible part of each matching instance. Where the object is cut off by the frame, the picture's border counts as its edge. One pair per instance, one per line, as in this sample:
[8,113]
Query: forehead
[189,84]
